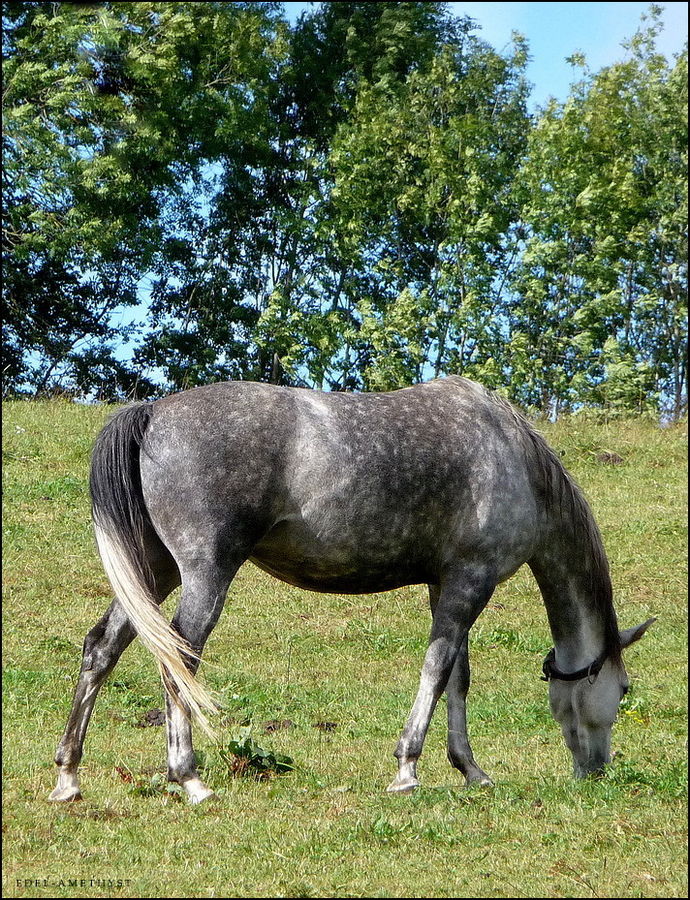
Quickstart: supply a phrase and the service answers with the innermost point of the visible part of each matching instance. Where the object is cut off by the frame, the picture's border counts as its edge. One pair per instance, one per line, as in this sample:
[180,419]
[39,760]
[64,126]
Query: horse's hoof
[197,791]
[65,795]
[402,787]
[479,781]
[200,798]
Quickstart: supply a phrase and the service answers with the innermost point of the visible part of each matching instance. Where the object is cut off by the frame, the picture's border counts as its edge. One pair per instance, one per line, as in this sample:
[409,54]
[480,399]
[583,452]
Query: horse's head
[585,704]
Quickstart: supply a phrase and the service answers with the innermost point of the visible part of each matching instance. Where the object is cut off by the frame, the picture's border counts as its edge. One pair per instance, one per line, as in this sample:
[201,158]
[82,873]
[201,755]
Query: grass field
[328,829]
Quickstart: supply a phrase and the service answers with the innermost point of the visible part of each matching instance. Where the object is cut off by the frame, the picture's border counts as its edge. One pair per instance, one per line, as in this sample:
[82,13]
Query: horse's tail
[121,520]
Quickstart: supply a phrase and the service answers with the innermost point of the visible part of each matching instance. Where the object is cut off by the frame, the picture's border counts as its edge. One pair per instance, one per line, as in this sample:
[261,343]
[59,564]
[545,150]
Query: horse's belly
[344,564]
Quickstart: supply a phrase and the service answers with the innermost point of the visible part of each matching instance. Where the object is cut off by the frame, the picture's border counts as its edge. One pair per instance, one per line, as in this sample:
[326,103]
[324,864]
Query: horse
[443,484]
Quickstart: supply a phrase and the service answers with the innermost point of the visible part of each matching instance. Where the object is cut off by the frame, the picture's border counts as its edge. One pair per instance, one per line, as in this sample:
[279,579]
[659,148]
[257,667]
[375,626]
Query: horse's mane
[562,494]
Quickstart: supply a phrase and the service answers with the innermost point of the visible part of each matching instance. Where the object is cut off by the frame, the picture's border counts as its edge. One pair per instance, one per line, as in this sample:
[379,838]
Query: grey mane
[560,492]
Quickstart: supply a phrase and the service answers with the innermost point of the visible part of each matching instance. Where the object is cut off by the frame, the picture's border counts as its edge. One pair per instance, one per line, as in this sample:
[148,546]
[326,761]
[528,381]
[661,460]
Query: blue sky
[556,30]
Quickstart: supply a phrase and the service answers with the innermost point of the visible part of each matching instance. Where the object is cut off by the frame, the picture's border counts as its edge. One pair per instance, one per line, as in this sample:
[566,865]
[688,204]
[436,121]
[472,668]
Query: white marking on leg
[197,790]
[406,780]
[180,752]
[67,788]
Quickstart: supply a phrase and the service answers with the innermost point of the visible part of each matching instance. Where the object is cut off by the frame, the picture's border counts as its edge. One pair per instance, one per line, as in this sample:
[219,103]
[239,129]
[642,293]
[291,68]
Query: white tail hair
[166,645]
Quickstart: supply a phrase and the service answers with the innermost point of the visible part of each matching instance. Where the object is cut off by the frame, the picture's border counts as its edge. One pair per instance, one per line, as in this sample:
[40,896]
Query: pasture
[328,680]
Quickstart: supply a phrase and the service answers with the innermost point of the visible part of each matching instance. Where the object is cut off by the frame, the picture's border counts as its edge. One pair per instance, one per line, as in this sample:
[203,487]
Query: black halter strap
[550,671]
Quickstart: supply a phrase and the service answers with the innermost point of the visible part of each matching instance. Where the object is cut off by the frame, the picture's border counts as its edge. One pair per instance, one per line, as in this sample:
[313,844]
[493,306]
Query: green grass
[328,828]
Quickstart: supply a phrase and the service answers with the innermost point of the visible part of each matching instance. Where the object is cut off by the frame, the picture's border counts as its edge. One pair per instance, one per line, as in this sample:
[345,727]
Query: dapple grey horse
[442,484]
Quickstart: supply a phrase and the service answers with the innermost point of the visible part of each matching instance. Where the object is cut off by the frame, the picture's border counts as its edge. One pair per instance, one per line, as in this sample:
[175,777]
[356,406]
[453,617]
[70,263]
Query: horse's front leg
[459,750]
[461,597]
[103,646]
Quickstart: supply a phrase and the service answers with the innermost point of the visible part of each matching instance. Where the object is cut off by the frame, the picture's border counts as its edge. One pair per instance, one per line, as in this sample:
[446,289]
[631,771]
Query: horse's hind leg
[203,594]
[459,750]
[462,597]
[103,646]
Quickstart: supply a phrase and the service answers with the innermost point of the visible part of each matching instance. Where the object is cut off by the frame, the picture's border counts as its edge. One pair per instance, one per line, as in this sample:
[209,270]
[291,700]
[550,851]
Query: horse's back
[339,491]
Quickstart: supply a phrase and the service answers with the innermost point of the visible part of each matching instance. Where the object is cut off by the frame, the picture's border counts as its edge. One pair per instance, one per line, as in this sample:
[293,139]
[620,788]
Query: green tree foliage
[598,313]
[266,255]
[110,112]
[55,293]
[357,200]
[423,204]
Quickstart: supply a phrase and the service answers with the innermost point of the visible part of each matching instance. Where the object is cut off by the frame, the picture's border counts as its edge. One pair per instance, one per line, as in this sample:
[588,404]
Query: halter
[591,671]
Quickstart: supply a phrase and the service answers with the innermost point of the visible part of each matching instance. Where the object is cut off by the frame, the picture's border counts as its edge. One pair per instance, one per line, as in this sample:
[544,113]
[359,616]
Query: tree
[423,204]
[109,118]
[358,200]
[261,268]
[599,313]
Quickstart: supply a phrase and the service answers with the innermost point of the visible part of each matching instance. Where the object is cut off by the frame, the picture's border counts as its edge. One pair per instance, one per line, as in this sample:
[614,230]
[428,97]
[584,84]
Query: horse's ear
[630,635]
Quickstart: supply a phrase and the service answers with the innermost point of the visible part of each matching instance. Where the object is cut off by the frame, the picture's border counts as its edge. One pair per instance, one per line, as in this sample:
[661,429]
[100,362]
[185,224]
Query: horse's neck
[574,581]
[570,563]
